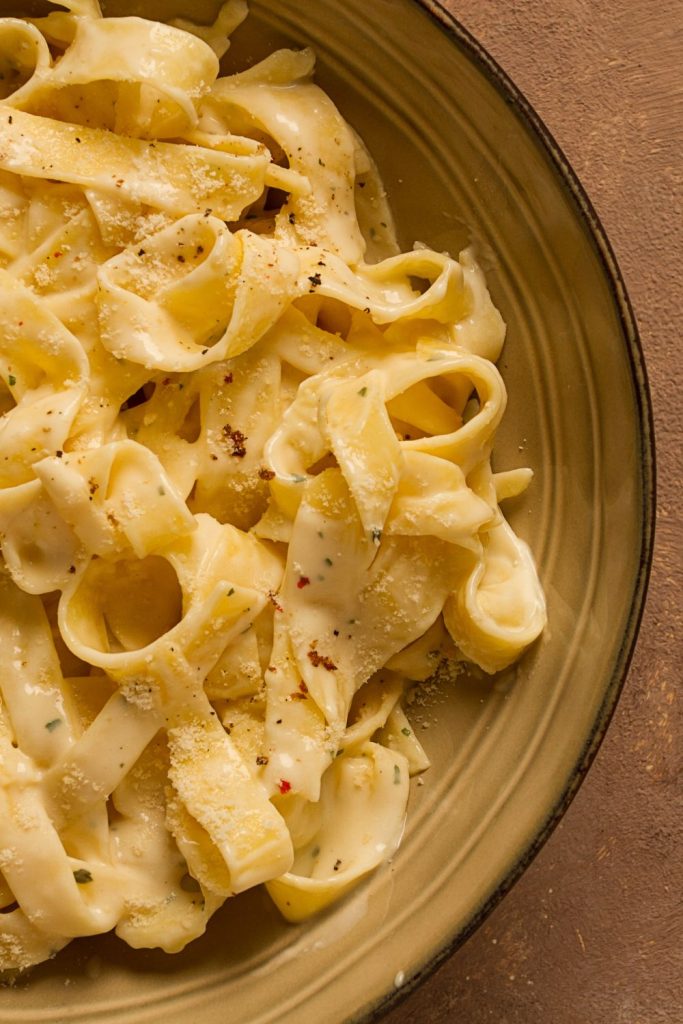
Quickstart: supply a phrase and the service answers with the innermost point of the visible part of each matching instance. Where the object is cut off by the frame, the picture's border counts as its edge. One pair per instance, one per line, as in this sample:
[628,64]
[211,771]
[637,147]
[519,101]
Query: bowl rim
[597,237]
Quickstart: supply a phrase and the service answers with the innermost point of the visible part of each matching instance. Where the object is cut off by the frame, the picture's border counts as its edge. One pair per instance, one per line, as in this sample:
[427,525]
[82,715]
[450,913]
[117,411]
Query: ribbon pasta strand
[246,495]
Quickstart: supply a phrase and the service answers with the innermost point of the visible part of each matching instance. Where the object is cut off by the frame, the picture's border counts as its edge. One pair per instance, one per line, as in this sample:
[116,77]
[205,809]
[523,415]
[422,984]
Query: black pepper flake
[180,258]
[292,218]
[72,569]
[141,252]
[315,279]
[266,474]
[337,865]
[261,759]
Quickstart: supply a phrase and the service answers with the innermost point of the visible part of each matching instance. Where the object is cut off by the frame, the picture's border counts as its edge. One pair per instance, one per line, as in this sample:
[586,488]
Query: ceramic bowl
[465,161]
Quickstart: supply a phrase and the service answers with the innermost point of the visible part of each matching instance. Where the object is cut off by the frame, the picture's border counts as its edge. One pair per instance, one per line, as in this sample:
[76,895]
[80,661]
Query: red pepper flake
[237,439]
[321,659]
[57,254]
[227,379]
[303,687]
[302,582]
[284,786]
[266,474]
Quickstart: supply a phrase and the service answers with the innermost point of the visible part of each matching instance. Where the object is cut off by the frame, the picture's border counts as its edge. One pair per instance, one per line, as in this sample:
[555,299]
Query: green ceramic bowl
[465,161]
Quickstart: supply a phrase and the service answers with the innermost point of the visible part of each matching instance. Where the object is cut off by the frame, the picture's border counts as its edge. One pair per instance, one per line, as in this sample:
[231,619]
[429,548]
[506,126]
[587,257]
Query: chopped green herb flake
[405,731]
[328,561]
[363,392]
[397,775]
[231,591]
[82,876]
[376,534]
[11,380]
[52,724]
[161,490]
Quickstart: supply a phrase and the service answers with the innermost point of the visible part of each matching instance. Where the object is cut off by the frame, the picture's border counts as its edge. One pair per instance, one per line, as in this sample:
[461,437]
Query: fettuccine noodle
[245,486]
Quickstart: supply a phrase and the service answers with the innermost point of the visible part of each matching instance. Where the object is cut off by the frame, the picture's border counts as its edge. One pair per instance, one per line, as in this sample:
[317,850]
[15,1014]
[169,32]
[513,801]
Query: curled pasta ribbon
[153,73]
[277,97]
[500,608]
[202,294]
[104,501]
[363,805]
[384,290]
[348,607]
[433,499]
[350,417]
[174,178]
[231,14]
[217,570]
[116,497]
[60,26]
[24,59]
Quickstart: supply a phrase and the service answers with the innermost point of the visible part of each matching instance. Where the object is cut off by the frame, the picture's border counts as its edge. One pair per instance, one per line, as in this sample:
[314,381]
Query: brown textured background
[593,932]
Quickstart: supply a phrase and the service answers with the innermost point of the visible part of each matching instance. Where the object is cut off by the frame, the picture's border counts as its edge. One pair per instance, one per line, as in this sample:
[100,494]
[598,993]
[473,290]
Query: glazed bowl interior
[462,166]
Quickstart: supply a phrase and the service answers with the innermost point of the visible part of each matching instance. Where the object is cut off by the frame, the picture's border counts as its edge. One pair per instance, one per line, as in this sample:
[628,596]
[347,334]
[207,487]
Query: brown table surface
[593,932]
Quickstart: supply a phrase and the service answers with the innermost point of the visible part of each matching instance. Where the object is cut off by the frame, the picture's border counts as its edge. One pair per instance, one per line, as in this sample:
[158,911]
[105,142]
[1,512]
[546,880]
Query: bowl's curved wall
[461,167]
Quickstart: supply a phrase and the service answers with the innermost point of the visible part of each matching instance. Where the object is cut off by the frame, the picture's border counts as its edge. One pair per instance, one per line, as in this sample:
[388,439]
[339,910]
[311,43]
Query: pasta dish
[246,495]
